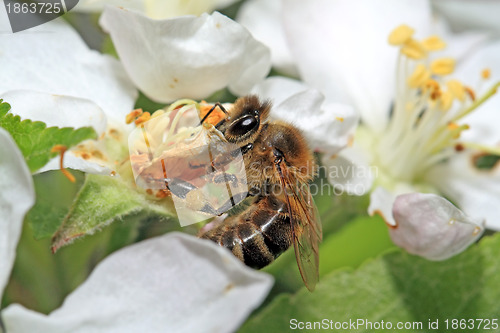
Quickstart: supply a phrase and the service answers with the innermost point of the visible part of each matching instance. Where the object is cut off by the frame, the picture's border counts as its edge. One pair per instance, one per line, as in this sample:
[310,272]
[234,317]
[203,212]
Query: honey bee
[279,166]
[276,168]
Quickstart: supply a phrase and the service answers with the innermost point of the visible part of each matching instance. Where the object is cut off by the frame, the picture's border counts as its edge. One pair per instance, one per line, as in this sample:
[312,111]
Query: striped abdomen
[258,235]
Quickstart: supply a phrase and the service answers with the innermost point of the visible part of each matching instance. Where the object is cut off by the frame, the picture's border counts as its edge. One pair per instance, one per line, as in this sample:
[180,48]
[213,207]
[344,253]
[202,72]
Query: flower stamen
[401,35]
[414,49]
[446,101]
[133,115]
[457,89]
[425,123]
[420,76]
[443,66]
[471,93]
[62,149]
[434,43]
[142,118]
[486,73]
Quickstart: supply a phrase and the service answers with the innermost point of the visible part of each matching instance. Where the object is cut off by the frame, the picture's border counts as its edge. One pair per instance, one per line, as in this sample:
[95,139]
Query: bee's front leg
[180,188]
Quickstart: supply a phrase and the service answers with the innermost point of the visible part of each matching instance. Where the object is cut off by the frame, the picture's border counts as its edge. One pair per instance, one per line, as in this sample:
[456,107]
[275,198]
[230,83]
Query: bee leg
[233,201]
[254,191]
[180,188]
[225,178]
[246,148]
[211,110]
[197,166]
[226,158]
[207,208]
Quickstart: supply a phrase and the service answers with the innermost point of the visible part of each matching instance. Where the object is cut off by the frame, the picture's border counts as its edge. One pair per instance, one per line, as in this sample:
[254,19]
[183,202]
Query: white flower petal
[343,49]
[173,283]
[186,57]
[430,226]
[278,88]
[160,9]
[263,19]
[64,111]
[381,202]
[157,9]
[52,58]
[476,192]
[76,162]
[327,127]
[102,156]
[98,5]
[470,15]
[56,110]
[17,195]
[5,27]
[458,45]
[483,121]
[349,171]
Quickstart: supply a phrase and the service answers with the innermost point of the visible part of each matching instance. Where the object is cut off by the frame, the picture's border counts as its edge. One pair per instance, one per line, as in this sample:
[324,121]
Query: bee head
[245,120]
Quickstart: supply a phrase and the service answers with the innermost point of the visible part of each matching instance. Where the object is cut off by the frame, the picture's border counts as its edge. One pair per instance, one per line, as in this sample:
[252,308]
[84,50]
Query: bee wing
[306,228]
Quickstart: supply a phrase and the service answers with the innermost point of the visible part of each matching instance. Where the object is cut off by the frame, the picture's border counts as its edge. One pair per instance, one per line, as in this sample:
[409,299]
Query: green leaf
[147,104]
[59,274]
[103,200]
[397,287]
[35,140]
[357,241]
[361,239]
[54,197]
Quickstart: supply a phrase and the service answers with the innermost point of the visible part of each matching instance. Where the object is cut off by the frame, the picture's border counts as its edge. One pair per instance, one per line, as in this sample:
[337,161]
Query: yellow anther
[341,119]
[459,147]
[443,66]
[432,84]
[445,101]
[470,92]
[143,118]
[434,89]
[400,35]
[414,49]
[419,77]
[433,43]
[457,89]
[133,115]
[435,95]
[456,130]
[486,73]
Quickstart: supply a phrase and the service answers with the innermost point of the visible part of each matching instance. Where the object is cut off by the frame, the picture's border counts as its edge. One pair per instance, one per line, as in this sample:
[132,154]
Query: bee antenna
[212,109]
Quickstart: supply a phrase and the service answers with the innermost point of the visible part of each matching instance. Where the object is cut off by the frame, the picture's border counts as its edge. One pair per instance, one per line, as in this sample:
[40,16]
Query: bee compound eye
[244,125]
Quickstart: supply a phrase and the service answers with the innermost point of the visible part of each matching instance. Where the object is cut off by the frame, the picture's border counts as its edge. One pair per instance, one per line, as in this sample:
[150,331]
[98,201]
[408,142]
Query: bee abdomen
[256,237]
[275,229]
[256,253]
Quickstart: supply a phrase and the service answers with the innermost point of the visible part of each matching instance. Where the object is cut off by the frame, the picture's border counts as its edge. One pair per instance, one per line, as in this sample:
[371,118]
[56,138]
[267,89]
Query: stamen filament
[483,148]
[182,102]
[492,91]
[62,149]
